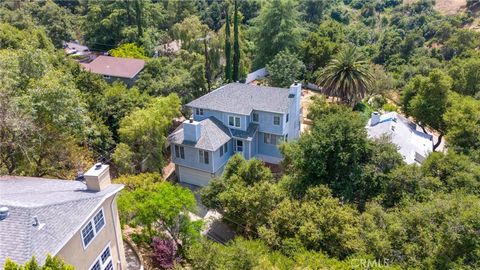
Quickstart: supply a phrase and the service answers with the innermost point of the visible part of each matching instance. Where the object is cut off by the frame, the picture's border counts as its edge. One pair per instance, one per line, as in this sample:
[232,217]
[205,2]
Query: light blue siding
[192,160]
[267,149]
[220,161]
[254,145]
[265,122]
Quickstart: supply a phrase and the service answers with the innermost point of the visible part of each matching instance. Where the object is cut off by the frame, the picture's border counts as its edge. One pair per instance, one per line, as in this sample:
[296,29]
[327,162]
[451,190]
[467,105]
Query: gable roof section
[61,206]
[241,99]
[115,66]
[213,135]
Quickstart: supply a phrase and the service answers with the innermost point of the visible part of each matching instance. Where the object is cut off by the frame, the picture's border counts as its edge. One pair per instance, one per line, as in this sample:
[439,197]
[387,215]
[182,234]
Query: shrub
[165,252]
[389,107]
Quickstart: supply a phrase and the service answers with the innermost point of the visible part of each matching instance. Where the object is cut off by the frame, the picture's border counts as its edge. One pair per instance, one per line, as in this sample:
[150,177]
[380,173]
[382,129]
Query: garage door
[193,177]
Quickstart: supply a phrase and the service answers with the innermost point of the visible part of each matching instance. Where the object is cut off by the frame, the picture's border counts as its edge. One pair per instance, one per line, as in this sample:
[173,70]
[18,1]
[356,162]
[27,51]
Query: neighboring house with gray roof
[413,145]
[235,118]
[75,221]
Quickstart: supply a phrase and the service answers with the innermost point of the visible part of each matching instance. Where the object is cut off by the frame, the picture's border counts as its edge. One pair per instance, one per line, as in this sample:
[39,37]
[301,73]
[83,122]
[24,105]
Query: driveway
[214,228]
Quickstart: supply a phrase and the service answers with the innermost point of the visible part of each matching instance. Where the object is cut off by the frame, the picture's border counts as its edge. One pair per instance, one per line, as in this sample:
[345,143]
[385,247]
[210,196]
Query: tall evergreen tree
[138,13]
[228,50]
[276,28]
[236,46]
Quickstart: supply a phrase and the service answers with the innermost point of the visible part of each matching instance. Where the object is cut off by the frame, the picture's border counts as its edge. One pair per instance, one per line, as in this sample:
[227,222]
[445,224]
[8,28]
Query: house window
[104,261]
[203,157]
[221,151]
[225,147]
[276,120]
[234,121]
[286,137]
[106,77]
[255,117]
[179,152]
[92,228]
[287,118]
[198,111]
[238,146]
[270,138]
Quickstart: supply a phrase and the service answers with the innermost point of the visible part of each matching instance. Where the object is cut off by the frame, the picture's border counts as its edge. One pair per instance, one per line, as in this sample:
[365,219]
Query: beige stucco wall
[82,259]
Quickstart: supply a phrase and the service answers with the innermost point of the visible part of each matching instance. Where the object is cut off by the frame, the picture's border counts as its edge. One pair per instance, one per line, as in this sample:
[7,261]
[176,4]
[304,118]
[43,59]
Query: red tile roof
[115,66]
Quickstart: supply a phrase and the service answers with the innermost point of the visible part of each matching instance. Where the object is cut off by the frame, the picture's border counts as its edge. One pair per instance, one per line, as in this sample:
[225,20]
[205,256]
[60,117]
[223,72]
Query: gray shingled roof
[246,135]
[213,135]
[402,133]
[61,207]
[243,98]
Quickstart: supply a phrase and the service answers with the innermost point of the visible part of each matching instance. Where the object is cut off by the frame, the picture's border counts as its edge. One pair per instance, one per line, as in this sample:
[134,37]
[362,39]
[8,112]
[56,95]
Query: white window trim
[99,257]
[202,160]
[199,111]
[178,154]
[235,146]
[95,232]
[234,121]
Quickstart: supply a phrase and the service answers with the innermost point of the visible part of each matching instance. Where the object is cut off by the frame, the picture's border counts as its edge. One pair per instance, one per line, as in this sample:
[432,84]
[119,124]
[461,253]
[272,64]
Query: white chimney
[375,118]
[98,177]
[295,89]
[191,130]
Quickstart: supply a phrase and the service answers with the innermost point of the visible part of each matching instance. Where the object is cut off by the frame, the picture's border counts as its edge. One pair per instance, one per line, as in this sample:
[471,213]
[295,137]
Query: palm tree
[347,76]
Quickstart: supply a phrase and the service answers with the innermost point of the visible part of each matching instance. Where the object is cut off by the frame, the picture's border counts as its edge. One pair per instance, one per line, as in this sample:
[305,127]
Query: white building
[413,145]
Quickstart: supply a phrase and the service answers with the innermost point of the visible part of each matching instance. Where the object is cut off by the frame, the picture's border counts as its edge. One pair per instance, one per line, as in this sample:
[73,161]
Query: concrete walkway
[133,262]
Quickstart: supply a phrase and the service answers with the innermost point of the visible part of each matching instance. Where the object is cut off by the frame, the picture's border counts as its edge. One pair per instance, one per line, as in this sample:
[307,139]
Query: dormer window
[199,111]
[234,121]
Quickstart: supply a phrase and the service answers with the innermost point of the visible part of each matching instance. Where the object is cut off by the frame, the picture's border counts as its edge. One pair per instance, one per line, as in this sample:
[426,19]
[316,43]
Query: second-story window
[287,118]
[198,111]
[203,157]
[92,228]
[179,152]
[255,117]
[234,121]
[276,120]
[221,151]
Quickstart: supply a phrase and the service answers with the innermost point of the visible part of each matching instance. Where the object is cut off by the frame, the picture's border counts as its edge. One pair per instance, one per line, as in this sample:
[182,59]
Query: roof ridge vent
[4,212]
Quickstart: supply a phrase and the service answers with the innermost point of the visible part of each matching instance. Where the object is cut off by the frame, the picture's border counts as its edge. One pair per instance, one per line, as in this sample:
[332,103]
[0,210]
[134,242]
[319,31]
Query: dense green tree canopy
[284,69]
[143,135]
[276,29]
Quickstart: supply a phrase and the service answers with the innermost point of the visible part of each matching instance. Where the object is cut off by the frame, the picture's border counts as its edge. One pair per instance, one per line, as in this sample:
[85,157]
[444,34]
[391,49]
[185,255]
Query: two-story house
[77,222]
[235,118]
